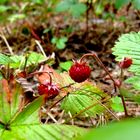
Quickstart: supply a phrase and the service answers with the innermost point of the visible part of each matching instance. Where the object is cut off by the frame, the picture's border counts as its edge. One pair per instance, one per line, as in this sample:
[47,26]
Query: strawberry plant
[128,46]
[73,90]
[20,119]
[18,112]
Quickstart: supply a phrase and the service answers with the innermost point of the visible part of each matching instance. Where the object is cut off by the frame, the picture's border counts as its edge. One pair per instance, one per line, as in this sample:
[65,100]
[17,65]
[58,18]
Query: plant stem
[94,55]
[87,18]
[124,106]
[121,96]
[56,102]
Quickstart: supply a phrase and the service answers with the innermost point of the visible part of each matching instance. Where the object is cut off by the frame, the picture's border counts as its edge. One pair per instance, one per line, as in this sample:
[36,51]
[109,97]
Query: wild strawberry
[79,71]
[125,63]
[48,89]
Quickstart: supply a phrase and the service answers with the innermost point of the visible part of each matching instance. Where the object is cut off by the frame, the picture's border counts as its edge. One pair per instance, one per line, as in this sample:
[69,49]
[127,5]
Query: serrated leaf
[135,81]
[126,93]
[128,45]
[4,60]
[86,99]
[33,58]
[17,61]
[42,132]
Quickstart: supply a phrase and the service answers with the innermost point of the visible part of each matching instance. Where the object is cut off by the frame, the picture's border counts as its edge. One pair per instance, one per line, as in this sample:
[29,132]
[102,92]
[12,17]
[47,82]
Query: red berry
[49,90]
[79,72]
[125,63]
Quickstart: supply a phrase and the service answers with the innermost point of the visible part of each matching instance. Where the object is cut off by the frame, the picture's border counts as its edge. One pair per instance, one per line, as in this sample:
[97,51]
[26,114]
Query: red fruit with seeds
[125,63]
[50,90]
[79,71]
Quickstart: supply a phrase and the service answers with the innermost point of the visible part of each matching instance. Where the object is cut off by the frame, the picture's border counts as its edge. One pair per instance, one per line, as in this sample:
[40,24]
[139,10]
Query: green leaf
[35,58]
[133,97]
[117,104]
[135,81]
[4,59]
[65,65]
[3,1]
[3,8]
[42,132]
[17,61]
[29,112]
[136,4]
[128,46]
[121,3]
[59,42]
[78,9]
[9,100]
[126,130]
[15,17]
[38,1]
[63,6]
[84,101]
[72,6]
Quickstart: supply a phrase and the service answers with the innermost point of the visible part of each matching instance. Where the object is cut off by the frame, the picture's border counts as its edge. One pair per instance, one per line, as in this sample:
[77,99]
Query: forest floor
[99,36]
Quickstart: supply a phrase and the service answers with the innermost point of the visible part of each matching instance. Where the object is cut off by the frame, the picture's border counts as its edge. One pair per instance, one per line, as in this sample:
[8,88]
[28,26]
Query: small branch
[87,18]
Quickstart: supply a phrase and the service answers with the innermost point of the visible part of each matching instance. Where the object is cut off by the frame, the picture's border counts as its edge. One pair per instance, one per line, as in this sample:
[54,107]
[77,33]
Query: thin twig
[7,44]
[56,103]
[40,47]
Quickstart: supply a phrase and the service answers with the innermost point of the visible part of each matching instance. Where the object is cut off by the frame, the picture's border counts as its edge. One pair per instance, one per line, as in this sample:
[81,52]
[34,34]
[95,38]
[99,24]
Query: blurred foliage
[14,10]
[127,130]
